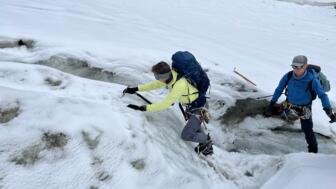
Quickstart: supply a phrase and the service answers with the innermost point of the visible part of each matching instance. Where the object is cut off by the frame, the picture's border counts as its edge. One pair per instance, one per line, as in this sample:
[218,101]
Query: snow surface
[110,146]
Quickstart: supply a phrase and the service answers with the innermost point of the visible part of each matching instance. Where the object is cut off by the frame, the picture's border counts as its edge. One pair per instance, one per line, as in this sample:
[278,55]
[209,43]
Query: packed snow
[64,121]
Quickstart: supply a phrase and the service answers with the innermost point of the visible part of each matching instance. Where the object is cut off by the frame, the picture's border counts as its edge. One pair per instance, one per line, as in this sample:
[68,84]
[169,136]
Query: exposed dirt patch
[17,43]
[103,176]
[91,142]
[29,156]
[244,108]
[54,140]
[53,82]
[49,141]
[78,67]
[138,164]
[7,114]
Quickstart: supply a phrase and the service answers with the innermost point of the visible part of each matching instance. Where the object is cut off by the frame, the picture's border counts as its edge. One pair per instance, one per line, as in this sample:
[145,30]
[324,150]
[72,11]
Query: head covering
[299,61]
[163,76]
[162,71]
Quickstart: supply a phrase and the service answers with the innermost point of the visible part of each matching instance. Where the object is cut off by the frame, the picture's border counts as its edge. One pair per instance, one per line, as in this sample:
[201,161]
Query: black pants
[307,128]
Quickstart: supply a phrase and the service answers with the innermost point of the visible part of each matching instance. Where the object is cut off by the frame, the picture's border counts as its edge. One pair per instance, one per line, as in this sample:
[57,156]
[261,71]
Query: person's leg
[307,127]
[193,131]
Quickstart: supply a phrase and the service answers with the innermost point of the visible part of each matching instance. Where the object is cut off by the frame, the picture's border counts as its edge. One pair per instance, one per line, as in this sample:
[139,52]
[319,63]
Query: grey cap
[299,60]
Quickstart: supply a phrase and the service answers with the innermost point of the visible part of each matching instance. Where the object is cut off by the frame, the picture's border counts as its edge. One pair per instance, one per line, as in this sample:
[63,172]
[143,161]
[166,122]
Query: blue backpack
[186,65]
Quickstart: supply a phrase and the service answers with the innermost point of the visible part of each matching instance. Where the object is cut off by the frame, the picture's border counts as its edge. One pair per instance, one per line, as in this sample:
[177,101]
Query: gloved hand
[269,110]
[330,114]
[130,90]
[135,107]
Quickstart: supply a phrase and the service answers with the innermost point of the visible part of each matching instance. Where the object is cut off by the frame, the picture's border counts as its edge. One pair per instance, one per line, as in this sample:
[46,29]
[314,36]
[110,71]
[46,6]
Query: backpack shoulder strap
[289,76]
[310,84]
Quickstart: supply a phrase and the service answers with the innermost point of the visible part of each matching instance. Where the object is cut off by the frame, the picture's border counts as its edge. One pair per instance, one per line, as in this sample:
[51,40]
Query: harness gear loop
[299,111]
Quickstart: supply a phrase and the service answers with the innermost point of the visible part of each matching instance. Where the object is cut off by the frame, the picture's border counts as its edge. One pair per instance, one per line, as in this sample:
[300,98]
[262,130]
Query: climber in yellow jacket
[184,92]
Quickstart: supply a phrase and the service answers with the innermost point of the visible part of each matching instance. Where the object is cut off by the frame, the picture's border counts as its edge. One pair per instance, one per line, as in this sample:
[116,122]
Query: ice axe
[242,76]
[149,102]
[262,97]
[143,98]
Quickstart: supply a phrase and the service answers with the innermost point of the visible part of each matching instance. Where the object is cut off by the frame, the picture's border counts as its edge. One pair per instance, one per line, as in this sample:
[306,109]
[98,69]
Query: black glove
[269,110]
[130,90]
[135,107]
[330,114]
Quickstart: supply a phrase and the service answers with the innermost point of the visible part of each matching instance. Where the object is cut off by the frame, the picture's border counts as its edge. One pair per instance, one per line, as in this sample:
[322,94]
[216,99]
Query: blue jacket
[298,89]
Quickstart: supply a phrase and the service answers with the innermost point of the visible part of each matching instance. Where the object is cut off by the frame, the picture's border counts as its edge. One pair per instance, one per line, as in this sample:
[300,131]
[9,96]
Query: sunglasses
[162,76]
[297,67]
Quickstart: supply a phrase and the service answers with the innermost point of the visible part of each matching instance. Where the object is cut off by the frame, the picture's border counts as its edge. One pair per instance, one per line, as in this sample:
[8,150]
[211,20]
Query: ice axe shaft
[143,98]
[261,97]
[149,102]
[242,76]
[183,112]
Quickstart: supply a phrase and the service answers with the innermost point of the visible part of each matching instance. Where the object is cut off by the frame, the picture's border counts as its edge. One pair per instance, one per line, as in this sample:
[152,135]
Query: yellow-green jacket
[180,90]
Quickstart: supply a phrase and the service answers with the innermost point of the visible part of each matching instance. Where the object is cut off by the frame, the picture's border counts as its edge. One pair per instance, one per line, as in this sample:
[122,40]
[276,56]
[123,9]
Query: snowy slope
[72,132]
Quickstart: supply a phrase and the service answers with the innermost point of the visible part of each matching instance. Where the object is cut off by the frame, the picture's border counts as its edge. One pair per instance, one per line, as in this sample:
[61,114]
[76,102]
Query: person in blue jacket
[299,97]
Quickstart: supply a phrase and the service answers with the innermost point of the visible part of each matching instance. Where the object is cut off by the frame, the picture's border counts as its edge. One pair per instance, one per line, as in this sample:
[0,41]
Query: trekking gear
[261,97]
[186,65]
[135,107]
[332,118]
[185,115]
[289,114]
[143,98]
[325,84]
[205,115]
[270,109]
[330,114]
[202,113]
[130,90]
[297,67]
[163,76]
[205,148]
[293,112]
[299,61]
[242,76]
[161,68]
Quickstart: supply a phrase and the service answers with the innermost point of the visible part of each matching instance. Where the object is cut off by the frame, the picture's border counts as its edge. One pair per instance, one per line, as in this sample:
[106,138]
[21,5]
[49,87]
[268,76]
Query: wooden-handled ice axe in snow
[242,76]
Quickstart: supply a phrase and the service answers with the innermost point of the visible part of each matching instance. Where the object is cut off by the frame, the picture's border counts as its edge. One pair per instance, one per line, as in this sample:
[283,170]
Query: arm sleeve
[281,86]
[320,93]
[173,96]
[151,86]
